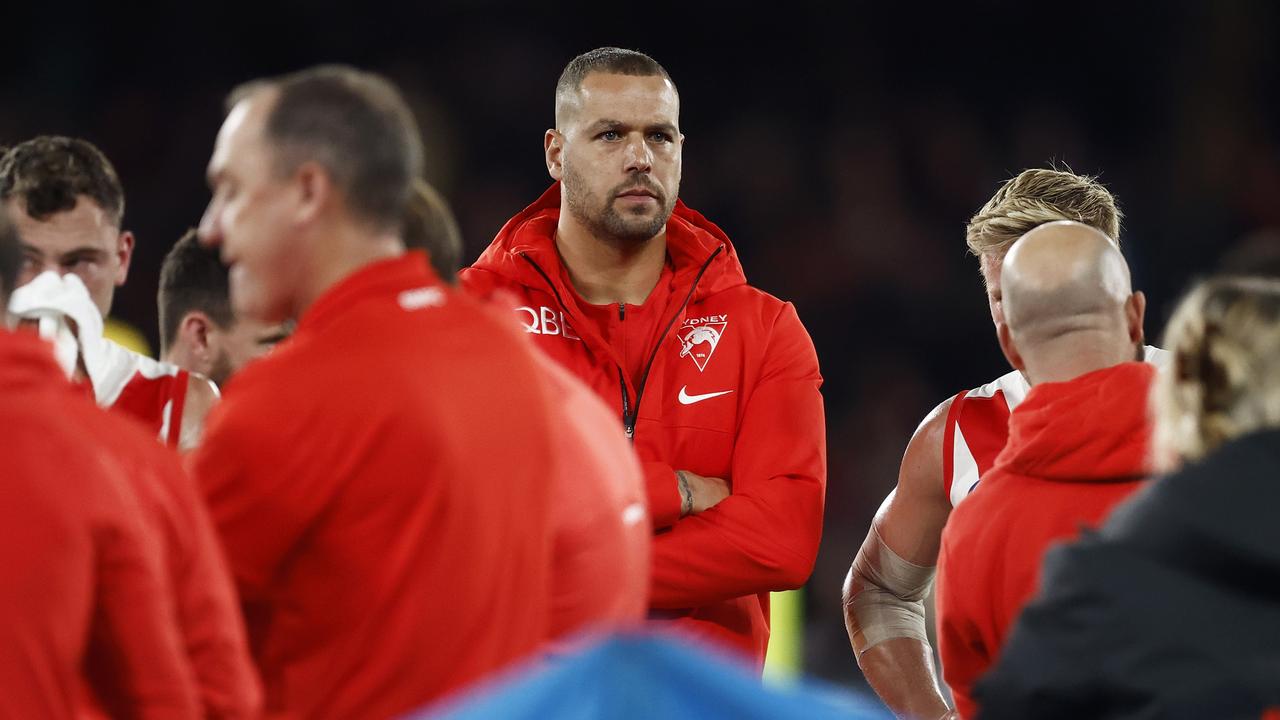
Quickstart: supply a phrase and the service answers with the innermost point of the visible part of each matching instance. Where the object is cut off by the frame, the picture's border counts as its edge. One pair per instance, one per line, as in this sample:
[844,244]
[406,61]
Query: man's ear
[1010,349]
[553,147]
[124,253]
[1135,311]
[315,189]
[192,345]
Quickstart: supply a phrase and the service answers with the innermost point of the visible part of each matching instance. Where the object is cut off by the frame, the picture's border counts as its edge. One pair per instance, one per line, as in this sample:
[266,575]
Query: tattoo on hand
[686,493]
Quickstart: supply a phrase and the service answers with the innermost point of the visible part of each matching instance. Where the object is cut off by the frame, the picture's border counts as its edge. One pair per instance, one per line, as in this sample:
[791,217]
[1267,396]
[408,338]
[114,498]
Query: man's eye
[610,135]
[660,137]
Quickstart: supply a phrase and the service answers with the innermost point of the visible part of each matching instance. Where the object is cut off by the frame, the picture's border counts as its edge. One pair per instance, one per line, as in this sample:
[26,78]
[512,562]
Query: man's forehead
[608,95]
[86,224]
[242,124]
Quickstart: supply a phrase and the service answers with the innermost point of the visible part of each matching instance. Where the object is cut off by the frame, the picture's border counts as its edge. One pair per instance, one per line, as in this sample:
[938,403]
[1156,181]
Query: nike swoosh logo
[687,399]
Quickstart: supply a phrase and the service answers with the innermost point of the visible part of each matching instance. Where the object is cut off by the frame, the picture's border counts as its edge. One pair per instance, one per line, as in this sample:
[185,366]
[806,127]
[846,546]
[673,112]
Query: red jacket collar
[691,241]
[381,276]
[1093,428]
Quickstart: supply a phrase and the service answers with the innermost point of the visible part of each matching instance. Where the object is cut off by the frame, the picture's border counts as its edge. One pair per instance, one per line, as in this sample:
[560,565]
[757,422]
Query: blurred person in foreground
[714,382]
[955,444]
[602,538]
[379,479]
[68,204]
[198,330]
[1171,610]
[88,615]
[1079,443]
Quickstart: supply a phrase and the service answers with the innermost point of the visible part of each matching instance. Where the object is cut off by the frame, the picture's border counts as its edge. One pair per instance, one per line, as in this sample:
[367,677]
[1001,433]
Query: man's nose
[638,156]
[209,232]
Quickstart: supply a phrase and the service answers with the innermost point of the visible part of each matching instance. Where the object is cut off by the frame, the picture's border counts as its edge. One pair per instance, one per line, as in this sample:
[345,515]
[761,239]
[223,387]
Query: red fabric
[985,424]
[1076,449]
[602,531]
[208,610]
[84,592]
[380,484]
[712,572]
[634,329]
[144,399]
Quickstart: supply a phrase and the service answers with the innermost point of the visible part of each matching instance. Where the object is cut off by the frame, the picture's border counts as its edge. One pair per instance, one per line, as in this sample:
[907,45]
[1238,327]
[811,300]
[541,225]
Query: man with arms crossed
[958,441]
[715,382]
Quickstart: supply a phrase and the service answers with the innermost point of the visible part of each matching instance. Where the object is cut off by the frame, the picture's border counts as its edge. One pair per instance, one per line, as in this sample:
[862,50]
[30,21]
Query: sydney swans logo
[699,338]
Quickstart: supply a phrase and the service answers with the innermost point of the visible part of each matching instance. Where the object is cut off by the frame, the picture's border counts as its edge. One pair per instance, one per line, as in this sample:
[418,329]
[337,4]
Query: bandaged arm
[884,596]
[890,578]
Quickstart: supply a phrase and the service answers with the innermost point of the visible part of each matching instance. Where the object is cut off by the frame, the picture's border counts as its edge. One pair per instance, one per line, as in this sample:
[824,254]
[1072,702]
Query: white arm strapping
[884,596]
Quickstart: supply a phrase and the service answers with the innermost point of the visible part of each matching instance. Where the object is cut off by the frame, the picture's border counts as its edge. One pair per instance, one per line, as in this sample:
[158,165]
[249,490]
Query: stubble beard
[602,219]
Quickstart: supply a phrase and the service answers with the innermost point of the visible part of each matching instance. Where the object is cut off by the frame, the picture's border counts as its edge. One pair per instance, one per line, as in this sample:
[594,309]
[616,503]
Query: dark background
[842,150]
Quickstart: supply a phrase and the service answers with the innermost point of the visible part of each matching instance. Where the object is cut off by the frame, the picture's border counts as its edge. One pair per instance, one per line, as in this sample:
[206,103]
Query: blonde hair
[1224,380]
[1035,197]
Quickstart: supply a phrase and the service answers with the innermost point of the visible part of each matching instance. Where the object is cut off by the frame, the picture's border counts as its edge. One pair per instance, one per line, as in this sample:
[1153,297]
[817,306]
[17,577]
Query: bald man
[1078,443]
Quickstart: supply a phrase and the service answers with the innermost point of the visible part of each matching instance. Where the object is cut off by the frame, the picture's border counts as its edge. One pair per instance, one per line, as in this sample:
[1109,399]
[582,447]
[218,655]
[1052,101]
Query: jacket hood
[1094,428]
[691,241]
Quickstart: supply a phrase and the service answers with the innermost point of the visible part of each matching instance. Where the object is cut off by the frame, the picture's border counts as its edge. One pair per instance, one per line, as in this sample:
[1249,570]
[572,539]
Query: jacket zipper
[628,429]
[629,423]
[629,411]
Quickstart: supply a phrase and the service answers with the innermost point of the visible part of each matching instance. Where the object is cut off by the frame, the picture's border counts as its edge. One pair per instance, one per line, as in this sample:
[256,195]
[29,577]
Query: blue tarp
[648,676]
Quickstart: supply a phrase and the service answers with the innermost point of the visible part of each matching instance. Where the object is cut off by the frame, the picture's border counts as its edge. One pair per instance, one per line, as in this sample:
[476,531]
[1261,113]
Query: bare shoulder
[922,461]
[202,395]
[912,517]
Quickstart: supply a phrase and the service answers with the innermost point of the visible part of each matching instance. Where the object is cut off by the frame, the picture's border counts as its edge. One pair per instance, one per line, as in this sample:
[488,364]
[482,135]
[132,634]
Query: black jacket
[1171,610]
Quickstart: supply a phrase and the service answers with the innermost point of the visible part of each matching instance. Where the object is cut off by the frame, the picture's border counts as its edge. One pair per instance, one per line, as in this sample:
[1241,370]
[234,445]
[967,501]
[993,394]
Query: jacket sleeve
[135,660]
[663,493]
[208,611]
[765,535]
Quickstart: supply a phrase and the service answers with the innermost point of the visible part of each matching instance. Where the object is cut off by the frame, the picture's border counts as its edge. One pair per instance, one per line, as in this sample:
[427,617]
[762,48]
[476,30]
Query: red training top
[380,483]
[83,589]
[602,531]
[1076,449]
[728,388]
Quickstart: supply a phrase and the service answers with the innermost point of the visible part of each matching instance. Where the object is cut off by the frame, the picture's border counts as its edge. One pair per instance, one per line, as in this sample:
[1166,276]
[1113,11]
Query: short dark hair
[355,124]
[610,60]
[50,172]
[429,225]
[192,277]
[11,258]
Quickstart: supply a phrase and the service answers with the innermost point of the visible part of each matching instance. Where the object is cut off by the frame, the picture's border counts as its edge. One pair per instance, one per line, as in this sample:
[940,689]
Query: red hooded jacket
[1076,449]
[727,386]
[85,599]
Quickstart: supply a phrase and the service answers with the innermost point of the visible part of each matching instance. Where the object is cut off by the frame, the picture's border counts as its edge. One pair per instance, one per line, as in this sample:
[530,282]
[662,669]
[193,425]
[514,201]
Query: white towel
[66,317]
